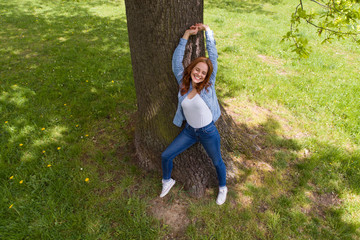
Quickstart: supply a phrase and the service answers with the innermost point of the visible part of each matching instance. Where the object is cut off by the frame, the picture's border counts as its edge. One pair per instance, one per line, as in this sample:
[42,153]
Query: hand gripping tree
[154,29]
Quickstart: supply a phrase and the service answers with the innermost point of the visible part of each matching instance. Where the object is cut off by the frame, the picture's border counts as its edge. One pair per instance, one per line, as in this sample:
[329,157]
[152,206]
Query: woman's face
[198,73]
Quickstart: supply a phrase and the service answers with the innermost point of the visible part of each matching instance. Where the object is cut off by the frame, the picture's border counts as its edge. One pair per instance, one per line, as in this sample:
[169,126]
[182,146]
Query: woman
[199,107]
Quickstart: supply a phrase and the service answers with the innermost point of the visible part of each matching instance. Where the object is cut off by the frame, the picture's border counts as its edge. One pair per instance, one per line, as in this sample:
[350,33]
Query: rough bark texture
[155,28]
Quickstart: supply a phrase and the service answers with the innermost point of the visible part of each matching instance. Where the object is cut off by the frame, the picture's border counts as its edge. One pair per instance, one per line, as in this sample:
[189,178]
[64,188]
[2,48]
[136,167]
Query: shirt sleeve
[177,59]
[213,55]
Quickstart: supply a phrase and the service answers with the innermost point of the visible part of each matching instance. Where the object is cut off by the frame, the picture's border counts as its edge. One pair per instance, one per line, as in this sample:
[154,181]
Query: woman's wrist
[186,35]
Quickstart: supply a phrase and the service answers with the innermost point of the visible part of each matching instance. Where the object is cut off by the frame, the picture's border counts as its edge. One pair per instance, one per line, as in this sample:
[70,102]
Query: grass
[66,100]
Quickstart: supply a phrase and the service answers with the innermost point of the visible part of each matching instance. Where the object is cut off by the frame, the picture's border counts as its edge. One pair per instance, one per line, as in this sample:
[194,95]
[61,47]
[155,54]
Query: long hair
[184,88]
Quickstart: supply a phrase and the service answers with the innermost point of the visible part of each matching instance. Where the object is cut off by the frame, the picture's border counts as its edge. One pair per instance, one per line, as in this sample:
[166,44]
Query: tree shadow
[58,68]
[65,75]
[302,189]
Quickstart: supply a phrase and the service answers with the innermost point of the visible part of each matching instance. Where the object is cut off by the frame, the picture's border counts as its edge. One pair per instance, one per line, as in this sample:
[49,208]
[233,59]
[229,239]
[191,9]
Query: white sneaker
[221,198]
[166,186]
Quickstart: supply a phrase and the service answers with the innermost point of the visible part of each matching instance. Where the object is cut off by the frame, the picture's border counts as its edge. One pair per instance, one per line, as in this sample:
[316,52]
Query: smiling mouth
[197,78]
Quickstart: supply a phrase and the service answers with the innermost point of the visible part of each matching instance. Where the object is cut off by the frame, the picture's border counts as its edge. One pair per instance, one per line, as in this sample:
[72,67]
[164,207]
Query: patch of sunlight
[108,11]
[18,96]
[9,128]
[18,99]
[94,39]
[41,142]
[31,55]
[63,39]
[106,47]
[16,52]
[27,156]
[17,133]
[351,203]
[93,90]
[26,130]
[57,132]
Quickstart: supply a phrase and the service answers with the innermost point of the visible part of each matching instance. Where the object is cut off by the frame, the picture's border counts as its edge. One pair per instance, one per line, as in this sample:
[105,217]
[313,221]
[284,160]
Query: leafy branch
[337,19]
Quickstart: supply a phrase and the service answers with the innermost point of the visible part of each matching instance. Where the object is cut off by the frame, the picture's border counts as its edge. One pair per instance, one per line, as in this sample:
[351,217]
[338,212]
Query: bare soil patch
[173,214]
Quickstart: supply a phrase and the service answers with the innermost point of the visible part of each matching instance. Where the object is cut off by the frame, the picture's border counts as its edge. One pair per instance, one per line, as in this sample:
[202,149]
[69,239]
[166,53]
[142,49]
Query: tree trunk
[155,28]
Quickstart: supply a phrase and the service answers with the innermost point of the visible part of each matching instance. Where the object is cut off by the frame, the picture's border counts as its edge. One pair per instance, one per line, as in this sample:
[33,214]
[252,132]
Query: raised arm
[178,55]
[211,48]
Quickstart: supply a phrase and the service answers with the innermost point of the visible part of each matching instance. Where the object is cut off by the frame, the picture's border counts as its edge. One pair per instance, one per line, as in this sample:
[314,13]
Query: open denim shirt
[209,95]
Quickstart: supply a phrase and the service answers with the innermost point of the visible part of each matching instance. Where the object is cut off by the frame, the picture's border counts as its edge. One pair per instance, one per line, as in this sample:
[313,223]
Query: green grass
[66,101]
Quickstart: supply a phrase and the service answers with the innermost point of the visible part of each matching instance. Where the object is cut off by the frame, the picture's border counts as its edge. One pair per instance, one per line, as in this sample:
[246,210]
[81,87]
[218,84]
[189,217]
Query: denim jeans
[210,139]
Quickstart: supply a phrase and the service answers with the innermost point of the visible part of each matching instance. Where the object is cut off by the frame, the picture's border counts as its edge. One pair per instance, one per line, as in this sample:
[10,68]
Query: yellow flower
[42,129]
[86,135]
[58,148]
[11,177]
[21,144]
[11,205]
[64,104]
[112,81]
[86,179]
[87,80]
[21,181]
[43,151]
[77,125]
[49,165]
[6,121]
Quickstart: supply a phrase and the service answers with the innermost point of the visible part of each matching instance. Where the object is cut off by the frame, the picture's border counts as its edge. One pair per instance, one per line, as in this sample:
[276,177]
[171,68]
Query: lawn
[67,98]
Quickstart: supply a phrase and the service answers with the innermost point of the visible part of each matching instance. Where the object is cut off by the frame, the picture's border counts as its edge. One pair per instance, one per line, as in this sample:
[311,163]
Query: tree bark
[155,28]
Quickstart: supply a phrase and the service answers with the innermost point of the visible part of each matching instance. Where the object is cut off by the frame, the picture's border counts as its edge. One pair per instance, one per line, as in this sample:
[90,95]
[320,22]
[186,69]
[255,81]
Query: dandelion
[58,148]
[42,129]
[43,151]
[21,182]
[87,80]
[6,121]
[77,125]
[64,104]
[86,179]
[112,81]
[11,205]
[49,165]
[11,177]
[86,135]
[21,144]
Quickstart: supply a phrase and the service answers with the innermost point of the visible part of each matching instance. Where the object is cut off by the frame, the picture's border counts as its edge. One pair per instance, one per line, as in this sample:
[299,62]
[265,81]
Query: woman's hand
[193,30]
[202,27]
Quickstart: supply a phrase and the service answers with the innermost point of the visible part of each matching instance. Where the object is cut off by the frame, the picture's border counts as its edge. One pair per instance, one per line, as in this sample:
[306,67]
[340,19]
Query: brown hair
[184,88]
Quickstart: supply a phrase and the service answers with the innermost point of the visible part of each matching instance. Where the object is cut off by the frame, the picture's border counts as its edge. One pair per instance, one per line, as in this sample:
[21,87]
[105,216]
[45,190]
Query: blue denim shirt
[209,95]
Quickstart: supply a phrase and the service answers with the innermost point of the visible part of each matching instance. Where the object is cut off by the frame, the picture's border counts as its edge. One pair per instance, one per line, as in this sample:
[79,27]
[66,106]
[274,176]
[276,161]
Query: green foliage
[338,19]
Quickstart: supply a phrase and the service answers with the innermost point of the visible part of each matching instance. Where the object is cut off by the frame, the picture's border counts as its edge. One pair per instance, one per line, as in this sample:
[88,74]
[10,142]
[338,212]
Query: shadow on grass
[60,70]
[288,190]
[66,78]
[283,190]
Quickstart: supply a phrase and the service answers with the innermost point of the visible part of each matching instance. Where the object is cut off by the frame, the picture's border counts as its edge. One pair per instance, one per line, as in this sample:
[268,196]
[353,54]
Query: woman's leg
[183,141]
[210,139]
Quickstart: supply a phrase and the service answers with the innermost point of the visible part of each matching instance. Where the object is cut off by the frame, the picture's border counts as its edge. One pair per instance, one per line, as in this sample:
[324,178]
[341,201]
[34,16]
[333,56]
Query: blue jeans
[210,139]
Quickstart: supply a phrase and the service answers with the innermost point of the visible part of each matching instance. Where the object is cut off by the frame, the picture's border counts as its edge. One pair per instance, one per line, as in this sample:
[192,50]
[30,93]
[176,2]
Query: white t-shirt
[196,112]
